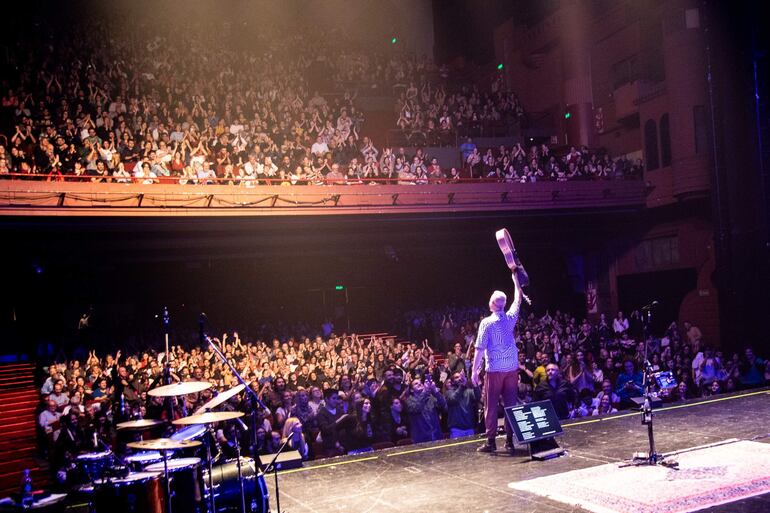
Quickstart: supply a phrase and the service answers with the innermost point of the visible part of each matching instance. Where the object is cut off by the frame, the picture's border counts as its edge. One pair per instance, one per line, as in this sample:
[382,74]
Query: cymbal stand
[210,464]
[238,466]
[169,507]
[169,401]
[255,400]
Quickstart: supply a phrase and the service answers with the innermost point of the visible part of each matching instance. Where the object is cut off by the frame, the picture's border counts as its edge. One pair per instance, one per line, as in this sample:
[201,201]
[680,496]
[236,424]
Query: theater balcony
[39,198]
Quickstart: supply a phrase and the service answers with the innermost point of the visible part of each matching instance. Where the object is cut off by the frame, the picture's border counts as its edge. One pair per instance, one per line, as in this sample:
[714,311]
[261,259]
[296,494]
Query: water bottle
[26,490]
[122,403]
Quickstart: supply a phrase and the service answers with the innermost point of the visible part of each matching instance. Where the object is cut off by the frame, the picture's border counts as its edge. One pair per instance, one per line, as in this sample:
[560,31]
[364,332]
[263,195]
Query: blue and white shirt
[495,338]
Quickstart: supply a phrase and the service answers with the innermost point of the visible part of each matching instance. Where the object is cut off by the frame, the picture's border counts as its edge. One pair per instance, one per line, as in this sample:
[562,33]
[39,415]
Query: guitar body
[511,257]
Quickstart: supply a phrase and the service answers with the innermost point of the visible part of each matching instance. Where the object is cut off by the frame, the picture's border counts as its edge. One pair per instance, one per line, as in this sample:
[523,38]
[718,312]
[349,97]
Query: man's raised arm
[517,293]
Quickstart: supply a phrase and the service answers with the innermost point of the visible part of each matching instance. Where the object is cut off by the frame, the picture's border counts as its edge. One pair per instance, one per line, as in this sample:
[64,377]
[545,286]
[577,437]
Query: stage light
[339,287]
[393,41]
[567,115]
[500,66]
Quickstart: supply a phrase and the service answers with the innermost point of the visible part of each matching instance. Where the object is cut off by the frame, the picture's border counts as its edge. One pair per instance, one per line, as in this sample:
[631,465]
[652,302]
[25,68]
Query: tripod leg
[653,455]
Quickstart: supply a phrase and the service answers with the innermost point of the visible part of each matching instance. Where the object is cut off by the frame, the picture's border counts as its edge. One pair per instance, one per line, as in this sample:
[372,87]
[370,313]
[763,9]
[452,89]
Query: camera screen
[665,380]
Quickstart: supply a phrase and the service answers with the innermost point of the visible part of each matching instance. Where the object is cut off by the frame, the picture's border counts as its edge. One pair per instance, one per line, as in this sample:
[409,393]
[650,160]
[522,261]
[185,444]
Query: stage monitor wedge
[536,424]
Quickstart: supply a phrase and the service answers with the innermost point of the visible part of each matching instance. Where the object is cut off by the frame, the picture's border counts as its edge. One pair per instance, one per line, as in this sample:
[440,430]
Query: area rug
[707,476]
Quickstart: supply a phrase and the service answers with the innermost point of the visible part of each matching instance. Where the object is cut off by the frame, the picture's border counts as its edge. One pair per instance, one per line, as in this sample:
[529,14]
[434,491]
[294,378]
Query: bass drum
[185,477]
[227,490]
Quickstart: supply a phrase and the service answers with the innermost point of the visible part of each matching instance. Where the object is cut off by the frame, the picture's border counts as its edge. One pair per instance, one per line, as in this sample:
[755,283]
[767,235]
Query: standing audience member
[424,404]
[462,406]
[332,423]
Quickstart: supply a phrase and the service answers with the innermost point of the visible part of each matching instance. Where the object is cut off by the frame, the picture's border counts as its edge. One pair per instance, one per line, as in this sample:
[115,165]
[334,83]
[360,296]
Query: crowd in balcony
[430,115]
[539,162]
[182,108]
[341,394]
[130,112]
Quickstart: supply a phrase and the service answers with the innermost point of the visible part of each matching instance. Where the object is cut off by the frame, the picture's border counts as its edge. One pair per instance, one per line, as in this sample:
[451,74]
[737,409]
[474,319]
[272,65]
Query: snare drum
[139,492]
[185,477]
[139,460]
[92,465]
[227,489]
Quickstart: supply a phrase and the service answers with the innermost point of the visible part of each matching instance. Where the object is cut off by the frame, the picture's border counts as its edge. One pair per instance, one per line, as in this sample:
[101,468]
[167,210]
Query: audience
[344,394]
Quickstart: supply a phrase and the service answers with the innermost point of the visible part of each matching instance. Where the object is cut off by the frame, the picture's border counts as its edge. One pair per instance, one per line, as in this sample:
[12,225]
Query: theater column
[577,122]
[685,66]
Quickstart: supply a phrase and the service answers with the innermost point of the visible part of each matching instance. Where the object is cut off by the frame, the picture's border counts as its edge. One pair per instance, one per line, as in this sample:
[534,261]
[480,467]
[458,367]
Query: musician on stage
[495,345]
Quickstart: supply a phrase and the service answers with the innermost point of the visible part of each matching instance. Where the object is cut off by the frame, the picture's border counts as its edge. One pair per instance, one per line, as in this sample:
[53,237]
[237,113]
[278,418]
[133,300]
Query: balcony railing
[32,197]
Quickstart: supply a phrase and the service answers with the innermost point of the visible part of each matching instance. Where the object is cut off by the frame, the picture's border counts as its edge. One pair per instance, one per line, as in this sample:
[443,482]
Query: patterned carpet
[707,476]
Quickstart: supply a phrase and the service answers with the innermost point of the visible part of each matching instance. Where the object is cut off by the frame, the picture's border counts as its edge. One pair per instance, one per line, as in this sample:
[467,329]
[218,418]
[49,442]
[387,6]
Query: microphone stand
[272,467]
[648,381]
[256,402]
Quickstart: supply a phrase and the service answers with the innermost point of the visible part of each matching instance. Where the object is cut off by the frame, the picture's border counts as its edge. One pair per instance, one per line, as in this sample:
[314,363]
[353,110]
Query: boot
[489,446]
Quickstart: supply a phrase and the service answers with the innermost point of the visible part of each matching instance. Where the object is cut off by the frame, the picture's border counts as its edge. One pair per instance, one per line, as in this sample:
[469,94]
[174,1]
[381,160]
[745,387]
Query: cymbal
[139,424]
[208,418]
[184,388]
[220,398]
[163,444]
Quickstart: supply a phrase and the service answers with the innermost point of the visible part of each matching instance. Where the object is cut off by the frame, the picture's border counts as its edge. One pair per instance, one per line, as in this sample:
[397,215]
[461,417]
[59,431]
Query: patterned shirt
[495,338]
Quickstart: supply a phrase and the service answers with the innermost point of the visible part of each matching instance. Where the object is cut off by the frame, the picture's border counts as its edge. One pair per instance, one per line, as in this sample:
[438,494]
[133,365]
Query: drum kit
[152,480]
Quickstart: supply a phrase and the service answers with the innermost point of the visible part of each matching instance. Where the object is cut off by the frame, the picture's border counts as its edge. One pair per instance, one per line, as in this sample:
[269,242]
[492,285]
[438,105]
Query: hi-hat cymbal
[163,444]
[139,424]
[208,418]
[184,388]
[220,398]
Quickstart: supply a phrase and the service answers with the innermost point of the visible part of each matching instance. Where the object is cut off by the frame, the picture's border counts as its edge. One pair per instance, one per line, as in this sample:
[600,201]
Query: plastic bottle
[27,498]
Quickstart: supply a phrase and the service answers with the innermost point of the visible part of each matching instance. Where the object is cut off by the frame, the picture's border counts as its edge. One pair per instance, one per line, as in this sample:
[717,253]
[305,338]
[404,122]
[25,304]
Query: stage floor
[450,476]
